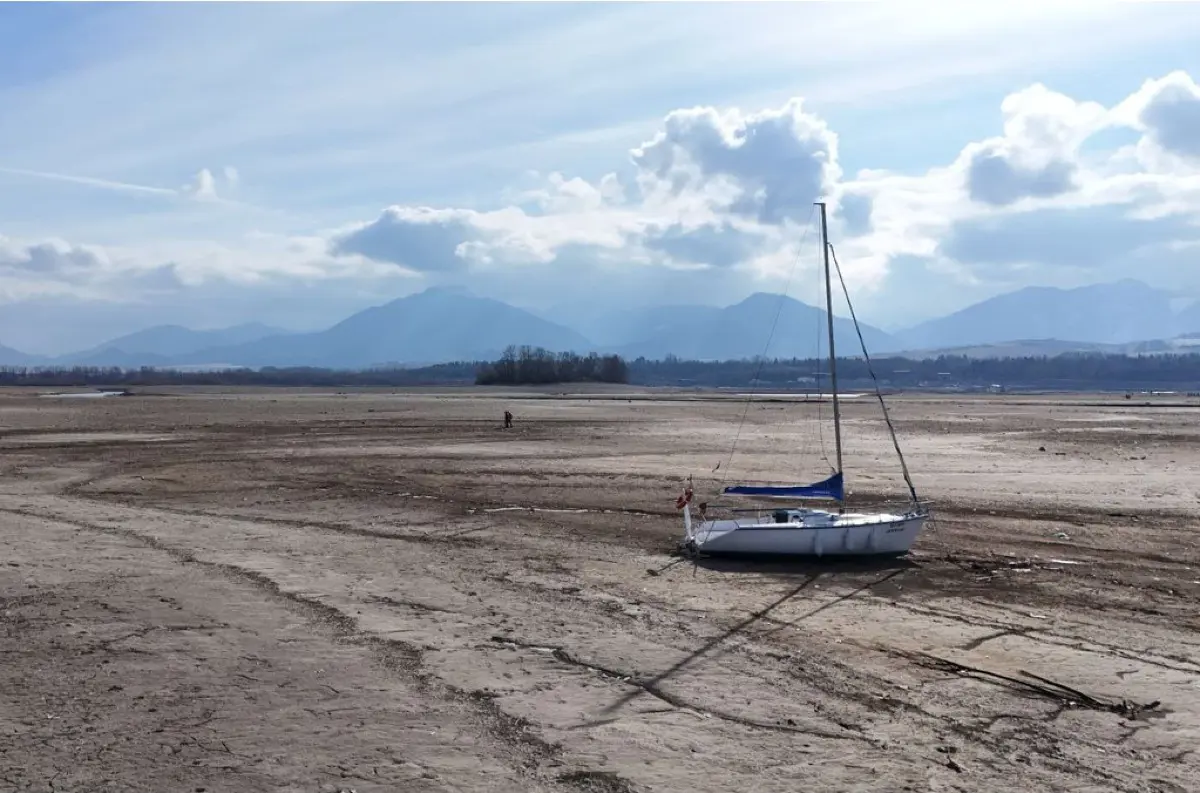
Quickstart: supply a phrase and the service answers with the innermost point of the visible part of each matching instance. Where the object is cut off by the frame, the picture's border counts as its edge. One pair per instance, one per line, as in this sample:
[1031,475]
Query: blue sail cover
[830,488]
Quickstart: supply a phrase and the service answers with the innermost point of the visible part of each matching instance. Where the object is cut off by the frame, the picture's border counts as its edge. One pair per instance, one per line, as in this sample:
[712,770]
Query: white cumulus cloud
[717,202]
[1037,156]
[709,190]
[726,190]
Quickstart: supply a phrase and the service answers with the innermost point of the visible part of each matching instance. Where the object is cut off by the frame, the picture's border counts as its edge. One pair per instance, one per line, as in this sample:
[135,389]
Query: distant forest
[536,366]
[1074,371]
[1088,371]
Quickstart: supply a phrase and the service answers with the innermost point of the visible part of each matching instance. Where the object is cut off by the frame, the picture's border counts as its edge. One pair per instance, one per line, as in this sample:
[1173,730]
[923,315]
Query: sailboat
[791,528]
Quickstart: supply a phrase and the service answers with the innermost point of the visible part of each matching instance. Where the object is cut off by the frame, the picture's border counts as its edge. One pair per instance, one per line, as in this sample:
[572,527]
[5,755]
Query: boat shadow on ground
[879,572]
[799,566]
[653,684]
[866,576]
[891,577]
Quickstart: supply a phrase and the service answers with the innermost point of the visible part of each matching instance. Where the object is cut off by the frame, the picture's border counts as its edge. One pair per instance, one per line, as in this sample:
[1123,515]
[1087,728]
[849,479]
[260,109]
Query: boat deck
[804,519]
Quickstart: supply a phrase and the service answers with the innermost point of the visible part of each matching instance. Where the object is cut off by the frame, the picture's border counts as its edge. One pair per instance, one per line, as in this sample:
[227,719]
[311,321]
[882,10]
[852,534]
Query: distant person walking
[507,419]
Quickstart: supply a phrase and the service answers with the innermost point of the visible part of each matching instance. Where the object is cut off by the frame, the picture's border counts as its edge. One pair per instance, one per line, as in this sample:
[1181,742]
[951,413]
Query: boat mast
[833,384]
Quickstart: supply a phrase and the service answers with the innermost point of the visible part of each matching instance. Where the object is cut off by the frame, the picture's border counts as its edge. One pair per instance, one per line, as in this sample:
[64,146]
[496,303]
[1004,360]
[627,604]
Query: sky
[213,164]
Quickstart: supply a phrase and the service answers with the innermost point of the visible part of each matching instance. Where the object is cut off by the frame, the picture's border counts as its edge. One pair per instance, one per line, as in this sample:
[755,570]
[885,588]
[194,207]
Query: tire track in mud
[408,659]
[653,689]
[650,687]
[954,514]
[1174,663]
[866,697]
[852,683]
[472,511]
[432,538]
[856,687]
[849,683]
[459,539]
[1032,632]
[1035,632]
[523,748]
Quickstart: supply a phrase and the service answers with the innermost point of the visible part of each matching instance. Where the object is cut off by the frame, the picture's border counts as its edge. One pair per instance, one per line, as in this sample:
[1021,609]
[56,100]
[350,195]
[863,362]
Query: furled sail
[830,488]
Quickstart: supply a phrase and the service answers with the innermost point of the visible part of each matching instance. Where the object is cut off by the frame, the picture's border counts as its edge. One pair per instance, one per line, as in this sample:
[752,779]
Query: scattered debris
[950,751]
[596,782]
[1037,684]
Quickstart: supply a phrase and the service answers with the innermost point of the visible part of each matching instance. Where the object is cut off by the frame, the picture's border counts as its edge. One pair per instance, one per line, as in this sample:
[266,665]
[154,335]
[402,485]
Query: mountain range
[162,344]
[1116,313]
[442,324]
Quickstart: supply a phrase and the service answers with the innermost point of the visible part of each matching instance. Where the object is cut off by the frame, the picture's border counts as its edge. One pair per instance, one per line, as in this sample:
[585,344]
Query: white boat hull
[806,532]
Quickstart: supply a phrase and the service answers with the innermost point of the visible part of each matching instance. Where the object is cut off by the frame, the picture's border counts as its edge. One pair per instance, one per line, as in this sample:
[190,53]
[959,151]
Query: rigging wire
[821,394]
[912,490]
[810,436]
[762,359]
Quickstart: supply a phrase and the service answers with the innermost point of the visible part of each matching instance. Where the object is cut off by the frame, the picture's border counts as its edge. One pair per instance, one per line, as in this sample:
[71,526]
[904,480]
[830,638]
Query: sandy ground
[302,591]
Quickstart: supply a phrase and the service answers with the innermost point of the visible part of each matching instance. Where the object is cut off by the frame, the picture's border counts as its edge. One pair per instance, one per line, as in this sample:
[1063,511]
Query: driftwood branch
[1041,686]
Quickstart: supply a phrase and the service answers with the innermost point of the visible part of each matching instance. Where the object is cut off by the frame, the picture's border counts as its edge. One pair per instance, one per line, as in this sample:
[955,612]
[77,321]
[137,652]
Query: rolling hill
[11,357]
[1115,313]
[743,330]
[445,324]
[159,345]
[433,326]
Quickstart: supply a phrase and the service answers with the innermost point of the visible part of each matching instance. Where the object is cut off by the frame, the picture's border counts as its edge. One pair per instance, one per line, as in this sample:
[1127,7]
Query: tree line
[460,373]
[1067,371]
[537,366]
[526,366]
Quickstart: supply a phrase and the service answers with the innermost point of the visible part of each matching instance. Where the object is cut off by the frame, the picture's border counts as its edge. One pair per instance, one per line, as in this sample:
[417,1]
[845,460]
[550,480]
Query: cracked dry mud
[302,591]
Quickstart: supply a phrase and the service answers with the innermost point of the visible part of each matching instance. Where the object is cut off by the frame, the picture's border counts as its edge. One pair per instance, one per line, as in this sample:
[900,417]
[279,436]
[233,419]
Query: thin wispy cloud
[202,187]
[87,181]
